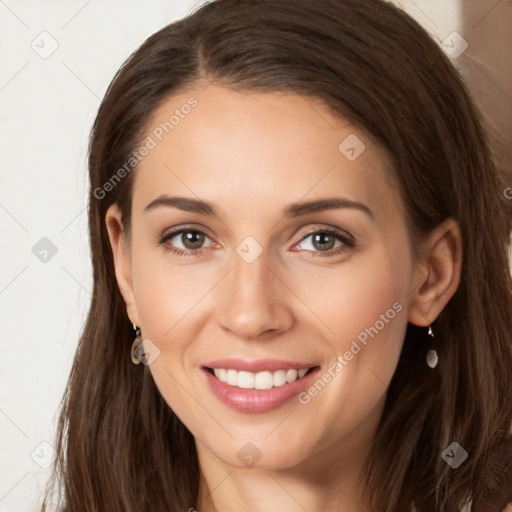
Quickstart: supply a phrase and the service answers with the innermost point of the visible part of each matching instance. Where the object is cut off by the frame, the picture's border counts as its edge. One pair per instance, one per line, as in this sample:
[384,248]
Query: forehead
[258,148]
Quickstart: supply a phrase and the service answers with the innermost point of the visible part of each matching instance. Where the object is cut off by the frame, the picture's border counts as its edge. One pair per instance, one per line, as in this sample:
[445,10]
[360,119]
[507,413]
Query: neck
[329,480]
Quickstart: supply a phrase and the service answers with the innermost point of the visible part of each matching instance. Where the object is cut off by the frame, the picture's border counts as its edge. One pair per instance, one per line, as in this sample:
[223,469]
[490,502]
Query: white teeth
[260,380]
[263,380]
[221,374]
[232,377]
[291,375]
[245,380]
[279,377]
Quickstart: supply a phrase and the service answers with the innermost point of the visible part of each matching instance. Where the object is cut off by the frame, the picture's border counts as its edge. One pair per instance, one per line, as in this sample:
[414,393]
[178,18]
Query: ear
[122,259]
[437,273]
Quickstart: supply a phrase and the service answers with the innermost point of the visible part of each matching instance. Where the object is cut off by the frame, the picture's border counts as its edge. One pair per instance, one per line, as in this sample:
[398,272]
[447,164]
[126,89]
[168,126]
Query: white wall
[47,107]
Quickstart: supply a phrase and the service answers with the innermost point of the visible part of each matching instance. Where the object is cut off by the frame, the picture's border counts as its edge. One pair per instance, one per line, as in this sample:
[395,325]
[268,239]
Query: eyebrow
[189,204]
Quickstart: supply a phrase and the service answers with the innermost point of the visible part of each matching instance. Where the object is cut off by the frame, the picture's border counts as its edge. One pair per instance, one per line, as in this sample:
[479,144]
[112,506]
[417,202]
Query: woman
[298,228]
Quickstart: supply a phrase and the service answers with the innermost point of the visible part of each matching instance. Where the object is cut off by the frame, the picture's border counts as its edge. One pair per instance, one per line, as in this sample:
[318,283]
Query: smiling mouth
[260,380]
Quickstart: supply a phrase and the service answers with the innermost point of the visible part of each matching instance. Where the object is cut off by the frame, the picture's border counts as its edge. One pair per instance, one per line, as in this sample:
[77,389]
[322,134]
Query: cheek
[370,312]
[365,310]
[363,299]
[166,294]
[167,299]
[364,306]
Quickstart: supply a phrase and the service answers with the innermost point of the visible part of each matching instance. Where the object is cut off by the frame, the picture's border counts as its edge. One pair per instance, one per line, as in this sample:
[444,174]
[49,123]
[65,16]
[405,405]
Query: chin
[260,455]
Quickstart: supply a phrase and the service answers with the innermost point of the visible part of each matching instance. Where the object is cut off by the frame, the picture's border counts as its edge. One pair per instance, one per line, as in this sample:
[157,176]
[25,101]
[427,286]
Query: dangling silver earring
[136,342]
[432,358]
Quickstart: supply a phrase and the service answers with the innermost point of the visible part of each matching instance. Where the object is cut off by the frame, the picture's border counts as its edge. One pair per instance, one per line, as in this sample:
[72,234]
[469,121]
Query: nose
[252,300]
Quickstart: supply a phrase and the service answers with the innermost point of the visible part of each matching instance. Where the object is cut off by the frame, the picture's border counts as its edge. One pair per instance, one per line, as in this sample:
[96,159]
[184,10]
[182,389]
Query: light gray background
[47,104]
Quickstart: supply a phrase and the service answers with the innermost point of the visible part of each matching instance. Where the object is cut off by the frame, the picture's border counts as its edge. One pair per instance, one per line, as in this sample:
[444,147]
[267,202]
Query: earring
[136,342]
[432,358]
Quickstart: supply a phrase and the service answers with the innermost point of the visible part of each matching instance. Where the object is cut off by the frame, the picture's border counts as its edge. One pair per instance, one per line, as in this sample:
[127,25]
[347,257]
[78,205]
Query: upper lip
[258,365]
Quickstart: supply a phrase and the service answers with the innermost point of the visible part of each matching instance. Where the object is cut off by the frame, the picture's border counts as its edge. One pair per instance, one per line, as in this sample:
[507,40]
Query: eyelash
[347,243]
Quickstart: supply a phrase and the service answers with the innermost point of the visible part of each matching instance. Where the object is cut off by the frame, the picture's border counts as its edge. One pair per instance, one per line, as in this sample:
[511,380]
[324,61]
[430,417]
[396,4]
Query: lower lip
[257,400]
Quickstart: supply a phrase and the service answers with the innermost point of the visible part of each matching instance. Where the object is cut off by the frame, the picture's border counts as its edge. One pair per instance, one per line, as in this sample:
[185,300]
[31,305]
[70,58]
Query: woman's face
[261,282]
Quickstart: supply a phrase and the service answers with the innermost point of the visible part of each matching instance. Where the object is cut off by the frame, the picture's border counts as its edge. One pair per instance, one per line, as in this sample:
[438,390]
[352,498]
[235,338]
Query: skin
[253,154]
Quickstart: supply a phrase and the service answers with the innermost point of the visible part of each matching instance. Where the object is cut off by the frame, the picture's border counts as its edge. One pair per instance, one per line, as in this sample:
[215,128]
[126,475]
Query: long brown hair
[120,446]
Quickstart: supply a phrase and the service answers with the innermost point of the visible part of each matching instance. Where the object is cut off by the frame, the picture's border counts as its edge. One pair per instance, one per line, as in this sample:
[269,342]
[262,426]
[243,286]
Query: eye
[192,241]
[323,242]
[326,242]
